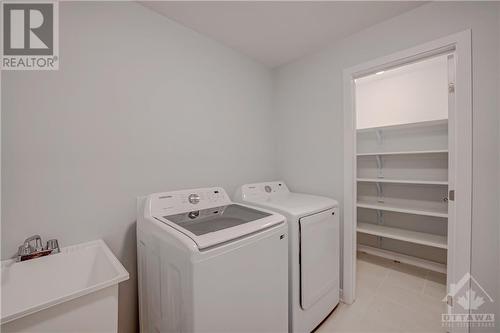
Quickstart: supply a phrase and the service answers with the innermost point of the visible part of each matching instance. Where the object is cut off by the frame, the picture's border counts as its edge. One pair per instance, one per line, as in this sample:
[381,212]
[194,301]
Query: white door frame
[459,232]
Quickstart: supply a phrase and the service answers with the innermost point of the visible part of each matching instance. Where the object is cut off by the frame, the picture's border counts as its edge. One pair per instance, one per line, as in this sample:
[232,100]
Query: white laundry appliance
[208,265]
[314,250]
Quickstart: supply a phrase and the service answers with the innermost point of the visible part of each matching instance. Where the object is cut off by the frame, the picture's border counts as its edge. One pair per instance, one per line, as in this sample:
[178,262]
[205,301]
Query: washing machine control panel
[262,191]
[175,202]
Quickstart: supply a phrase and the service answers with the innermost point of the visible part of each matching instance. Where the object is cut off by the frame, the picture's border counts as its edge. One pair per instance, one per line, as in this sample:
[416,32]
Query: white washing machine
[208,265]
[314,246]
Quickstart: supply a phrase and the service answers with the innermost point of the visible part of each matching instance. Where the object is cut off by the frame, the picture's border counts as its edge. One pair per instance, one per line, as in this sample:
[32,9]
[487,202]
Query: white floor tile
[391,297]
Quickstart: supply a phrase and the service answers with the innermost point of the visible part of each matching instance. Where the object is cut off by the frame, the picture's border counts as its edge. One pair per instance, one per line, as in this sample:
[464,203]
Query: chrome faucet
[30,251]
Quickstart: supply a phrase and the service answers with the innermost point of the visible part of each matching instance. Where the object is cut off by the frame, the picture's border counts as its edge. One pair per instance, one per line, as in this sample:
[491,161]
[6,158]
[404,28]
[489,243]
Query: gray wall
[309,115]
[139,105]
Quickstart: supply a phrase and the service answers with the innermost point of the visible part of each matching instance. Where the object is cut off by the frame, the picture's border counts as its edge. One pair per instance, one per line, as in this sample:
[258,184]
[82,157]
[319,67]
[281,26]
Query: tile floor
[391,297]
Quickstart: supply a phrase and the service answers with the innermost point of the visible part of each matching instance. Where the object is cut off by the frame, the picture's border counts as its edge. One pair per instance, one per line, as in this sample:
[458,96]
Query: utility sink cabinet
[75,290]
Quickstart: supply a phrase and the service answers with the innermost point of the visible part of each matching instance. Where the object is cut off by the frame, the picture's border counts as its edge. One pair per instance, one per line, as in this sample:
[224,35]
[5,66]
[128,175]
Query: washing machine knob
[194,198]
[194,214]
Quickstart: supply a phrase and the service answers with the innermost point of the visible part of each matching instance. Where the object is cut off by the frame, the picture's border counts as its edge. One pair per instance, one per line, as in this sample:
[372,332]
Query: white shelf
[406,207]
[403,235]
[408,163]
[426,264]
[402,181]
[430,123]
[406,152]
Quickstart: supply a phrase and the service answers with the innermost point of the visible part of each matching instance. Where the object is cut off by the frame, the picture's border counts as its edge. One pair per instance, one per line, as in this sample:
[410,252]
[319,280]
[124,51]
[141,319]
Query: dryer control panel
[262,191]
[175,202]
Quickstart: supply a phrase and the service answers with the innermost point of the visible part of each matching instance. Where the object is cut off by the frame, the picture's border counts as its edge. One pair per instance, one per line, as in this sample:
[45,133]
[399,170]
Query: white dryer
[314,249]
[208,265]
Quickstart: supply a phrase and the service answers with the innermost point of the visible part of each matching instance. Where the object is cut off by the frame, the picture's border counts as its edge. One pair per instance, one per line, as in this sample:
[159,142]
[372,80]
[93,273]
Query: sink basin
[78,271]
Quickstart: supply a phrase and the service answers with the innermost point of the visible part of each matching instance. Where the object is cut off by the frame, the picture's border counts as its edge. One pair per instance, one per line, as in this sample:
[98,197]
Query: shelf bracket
[380,217]
[380,165]
[378,133]
[380,193]
[380,221]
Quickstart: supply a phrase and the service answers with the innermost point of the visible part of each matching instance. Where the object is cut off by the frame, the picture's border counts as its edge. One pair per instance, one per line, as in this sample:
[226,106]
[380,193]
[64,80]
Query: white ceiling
[274,32]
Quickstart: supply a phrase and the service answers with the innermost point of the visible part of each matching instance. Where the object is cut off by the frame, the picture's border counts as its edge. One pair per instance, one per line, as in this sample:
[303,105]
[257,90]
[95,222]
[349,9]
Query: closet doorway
[408,162]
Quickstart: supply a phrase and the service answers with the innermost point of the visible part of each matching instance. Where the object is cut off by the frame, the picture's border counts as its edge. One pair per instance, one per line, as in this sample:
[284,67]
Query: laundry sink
[58,292]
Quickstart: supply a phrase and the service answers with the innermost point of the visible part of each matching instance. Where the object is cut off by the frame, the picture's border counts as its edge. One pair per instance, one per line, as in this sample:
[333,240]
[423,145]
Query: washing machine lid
[208,216]
[216,225]
[216,218]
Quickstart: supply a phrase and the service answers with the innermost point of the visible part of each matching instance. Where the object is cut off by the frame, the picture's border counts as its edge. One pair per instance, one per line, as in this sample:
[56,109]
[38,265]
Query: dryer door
[319,255]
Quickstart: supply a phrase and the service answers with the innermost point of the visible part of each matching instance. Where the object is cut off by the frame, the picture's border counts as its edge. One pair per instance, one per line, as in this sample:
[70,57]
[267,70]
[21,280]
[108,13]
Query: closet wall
[416,95]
